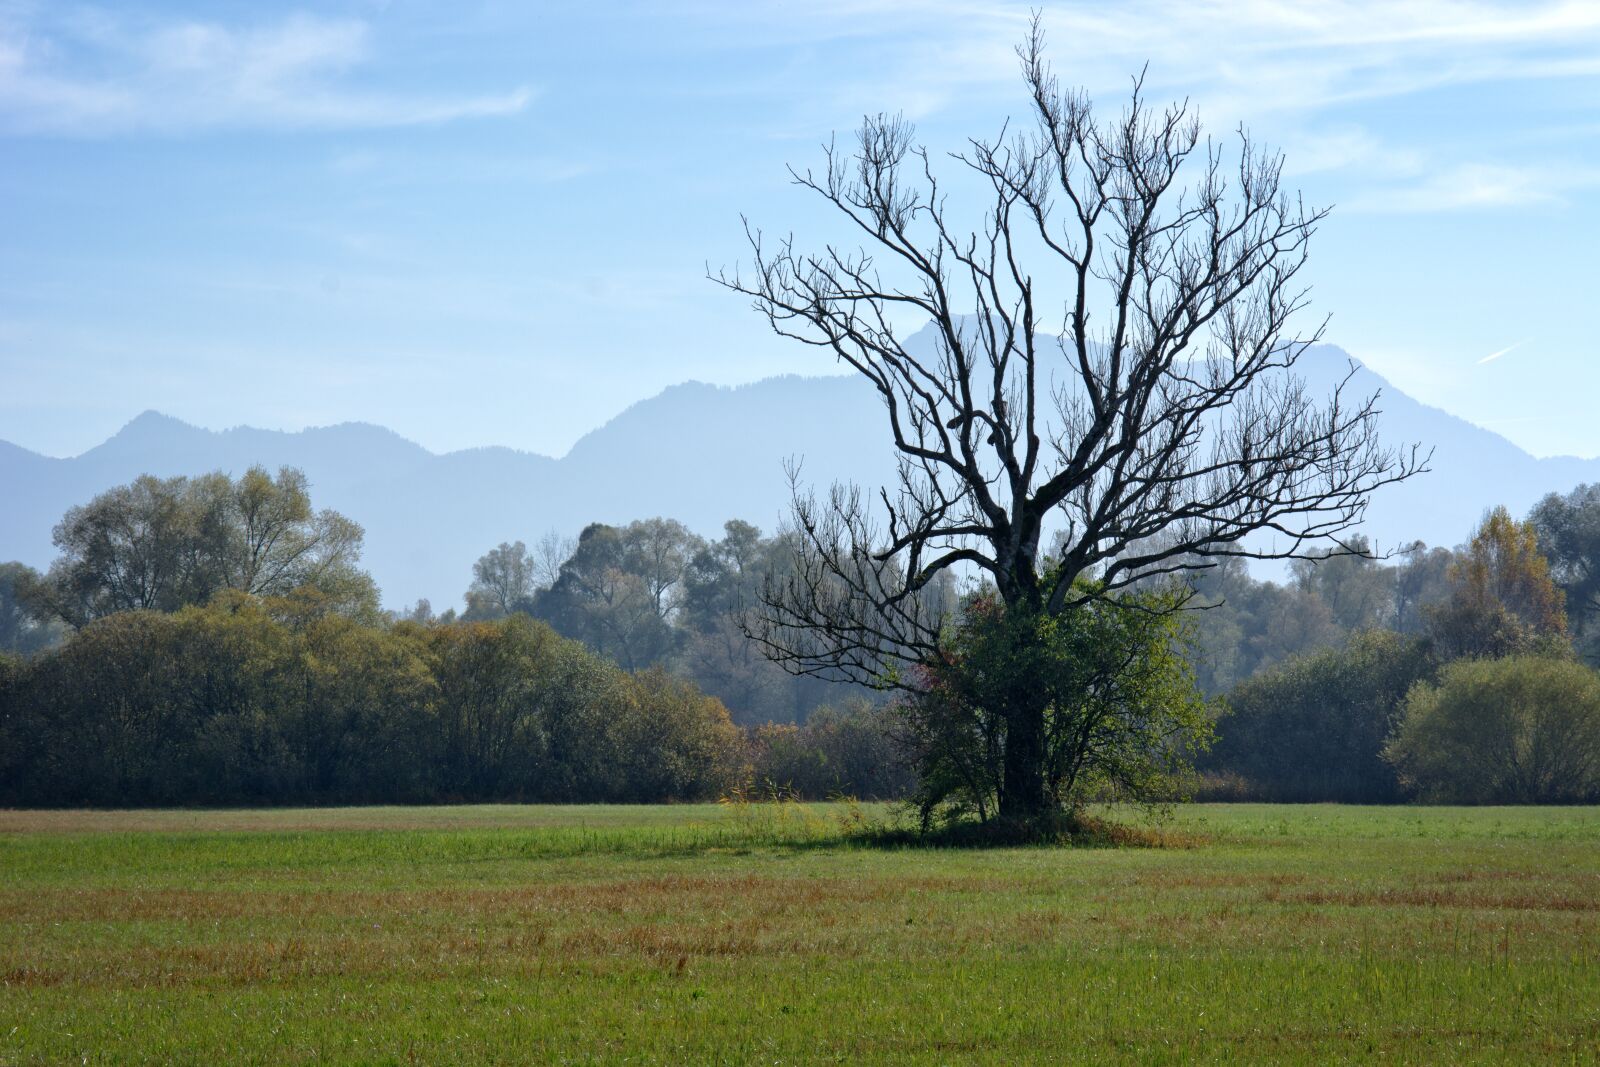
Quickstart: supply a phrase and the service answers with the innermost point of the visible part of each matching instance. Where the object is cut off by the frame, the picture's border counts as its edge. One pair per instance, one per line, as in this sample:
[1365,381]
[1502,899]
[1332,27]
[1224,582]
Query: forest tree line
[1458,676]
[212,640]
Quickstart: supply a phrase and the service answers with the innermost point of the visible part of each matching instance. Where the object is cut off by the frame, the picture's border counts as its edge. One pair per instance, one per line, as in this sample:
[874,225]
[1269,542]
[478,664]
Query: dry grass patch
[1435,898]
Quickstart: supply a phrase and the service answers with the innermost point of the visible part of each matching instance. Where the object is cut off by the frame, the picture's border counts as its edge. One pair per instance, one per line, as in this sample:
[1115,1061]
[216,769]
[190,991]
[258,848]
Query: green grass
[767,934]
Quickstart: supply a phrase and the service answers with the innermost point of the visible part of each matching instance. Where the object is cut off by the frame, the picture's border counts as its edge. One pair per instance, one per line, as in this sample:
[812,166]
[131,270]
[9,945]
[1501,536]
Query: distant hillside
[700,453]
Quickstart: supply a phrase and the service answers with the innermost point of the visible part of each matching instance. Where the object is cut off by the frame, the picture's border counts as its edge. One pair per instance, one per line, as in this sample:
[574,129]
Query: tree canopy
[1502,598]
[1568,531]
[257,700]
[159,544]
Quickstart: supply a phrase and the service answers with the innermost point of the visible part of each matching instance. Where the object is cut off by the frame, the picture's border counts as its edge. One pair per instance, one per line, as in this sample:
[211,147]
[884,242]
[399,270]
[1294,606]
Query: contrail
[1492,356]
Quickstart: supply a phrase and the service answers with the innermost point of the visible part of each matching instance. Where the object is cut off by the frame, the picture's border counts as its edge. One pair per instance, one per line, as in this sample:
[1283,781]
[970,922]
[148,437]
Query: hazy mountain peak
[152,423]
[698,452]
[738,410]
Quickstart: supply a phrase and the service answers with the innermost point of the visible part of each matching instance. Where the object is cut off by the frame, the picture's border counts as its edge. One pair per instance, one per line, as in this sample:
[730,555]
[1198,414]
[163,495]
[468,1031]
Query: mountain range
[699,453]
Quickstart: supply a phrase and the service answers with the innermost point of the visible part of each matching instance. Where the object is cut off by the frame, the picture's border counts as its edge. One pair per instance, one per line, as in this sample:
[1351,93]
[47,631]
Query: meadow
[781,934]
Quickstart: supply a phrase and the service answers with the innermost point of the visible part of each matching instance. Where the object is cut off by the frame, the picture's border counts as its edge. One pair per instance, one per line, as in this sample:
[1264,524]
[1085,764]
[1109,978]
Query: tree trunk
[1025,798]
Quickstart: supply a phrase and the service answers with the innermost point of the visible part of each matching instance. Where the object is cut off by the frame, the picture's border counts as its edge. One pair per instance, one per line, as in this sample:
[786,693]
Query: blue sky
[489,223]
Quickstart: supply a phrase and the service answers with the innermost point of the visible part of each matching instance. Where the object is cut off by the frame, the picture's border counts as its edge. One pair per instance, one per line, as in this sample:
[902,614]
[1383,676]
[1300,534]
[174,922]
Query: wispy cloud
[98,75]
[1477,186]
[1492,356]
[1300,72]
[1349,148]
[1253,56]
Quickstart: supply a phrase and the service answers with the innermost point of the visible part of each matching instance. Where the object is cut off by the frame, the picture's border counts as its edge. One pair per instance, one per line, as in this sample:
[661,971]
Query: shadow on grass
[780,818]
[1069,831]
[793,826]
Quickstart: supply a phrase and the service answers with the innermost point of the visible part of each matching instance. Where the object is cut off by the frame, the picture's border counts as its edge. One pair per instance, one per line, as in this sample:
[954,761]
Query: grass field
[764,934]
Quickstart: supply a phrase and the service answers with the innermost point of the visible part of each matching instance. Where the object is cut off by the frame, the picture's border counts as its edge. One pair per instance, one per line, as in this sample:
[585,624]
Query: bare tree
[548,555]
[1110,357]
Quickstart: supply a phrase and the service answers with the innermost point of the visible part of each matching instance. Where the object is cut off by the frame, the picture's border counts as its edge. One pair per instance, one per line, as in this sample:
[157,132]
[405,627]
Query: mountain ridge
[699,452]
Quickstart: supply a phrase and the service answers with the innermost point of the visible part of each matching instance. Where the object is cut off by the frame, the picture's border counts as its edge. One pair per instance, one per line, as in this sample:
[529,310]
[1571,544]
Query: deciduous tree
[1502,597]
[1568,531]
[21,628]
[1111,354]
[619,592]
[503,581]
[159,544]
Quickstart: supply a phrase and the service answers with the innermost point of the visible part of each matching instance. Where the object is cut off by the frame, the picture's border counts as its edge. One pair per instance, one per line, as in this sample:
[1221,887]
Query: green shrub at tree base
[1525,729]
[1121,712]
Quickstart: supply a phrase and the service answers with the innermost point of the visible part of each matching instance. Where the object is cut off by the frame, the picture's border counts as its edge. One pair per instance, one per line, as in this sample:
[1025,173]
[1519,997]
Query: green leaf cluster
[1121,714]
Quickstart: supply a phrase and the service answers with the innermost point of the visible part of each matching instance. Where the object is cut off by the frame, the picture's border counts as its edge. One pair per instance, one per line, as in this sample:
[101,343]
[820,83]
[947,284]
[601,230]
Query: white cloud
[183,76]
[1297,72]
[1236,58]
[1476,185]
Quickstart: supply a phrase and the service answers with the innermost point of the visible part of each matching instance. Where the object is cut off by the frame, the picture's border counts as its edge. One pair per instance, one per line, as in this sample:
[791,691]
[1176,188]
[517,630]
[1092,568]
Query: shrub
[849,751]
[674,742]
[251,700]
[1525,729]
[1314,728]
[487,737]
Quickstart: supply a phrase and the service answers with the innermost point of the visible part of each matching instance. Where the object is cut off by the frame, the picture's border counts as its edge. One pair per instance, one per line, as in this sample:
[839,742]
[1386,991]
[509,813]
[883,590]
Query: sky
[491,223]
